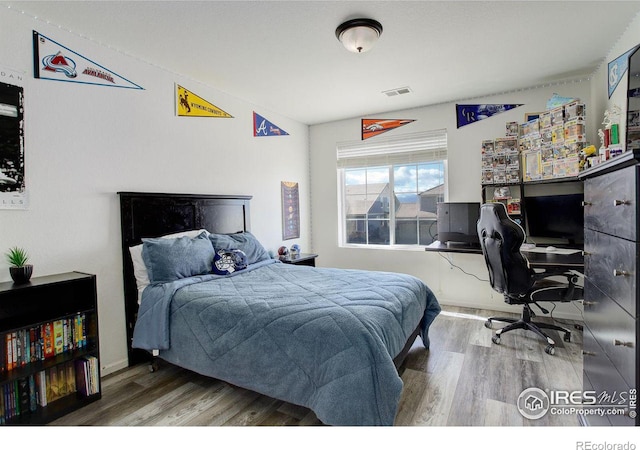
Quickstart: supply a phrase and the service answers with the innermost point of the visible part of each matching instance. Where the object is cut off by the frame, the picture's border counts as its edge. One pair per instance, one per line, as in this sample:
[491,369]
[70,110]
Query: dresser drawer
[614,330]
[610,203]
[610,264]
[601,376]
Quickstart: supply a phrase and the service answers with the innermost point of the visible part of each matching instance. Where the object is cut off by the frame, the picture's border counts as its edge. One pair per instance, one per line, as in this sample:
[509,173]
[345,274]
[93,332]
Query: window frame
[395,159]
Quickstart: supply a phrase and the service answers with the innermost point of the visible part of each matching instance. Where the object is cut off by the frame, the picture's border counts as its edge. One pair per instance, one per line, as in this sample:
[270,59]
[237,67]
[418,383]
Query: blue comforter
[317,337]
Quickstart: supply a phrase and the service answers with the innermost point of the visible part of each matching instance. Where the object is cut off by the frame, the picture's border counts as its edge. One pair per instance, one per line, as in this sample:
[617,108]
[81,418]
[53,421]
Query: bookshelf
[49,348]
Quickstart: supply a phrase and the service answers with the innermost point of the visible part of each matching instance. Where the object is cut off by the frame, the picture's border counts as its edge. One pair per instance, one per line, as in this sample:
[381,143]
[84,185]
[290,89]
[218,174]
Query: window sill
[410,248]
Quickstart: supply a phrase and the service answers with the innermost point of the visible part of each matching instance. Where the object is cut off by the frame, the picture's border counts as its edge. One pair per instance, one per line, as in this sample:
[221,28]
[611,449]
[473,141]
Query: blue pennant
[262,127]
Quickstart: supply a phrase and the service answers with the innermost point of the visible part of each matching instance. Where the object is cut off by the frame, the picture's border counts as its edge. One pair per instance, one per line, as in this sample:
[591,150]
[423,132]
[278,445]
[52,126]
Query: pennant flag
[189,104]
[617,68]
[262,127]
[467,114]
[53,61]
[374,127]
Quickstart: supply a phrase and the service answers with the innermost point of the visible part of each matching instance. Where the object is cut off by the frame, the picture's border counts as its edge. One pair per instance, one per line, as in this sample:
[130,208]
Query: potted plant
[19,270]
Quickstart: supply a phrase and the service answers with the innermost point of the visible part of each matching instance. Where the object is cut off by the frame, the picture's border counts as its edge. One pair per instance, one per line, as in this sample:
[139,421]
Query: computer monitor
[457,222]
[555,217]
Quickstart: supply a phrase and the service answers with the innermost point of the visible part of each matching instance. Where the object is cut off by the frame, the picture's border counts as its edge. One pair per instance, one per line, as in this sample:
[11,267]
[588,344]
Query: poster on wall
[290,210]
[262,127]
[374,127]
[191,105]
[13,194]
[467,114]
[54,61]
[617,68]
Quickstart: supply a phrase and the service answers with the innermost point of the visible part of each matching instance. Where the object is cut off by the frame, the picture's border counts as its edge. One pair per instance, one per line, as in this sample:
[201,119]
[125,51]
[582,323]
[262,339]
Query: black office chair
[510,274]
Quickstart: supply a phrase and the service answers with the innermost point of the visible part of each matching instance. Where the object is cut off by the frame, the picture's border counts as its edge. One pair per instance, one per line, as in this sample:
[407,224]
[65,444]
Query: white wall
[450,284]
[628,40]
[85,143]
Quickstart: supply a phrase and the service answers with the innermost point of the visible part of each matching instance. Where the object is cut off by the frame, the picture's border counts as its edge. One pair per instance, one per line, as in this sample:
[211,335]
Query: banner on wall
[374,127]
[53,61]
[262,127]
[191,105]
[290,210]
[466,114]
[617,68]
[13,194]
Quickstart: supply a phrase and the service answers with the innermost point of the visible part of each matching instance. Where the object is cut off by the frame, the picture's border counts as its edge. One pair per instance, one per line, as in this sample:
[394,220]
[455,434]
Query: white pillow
[139,268]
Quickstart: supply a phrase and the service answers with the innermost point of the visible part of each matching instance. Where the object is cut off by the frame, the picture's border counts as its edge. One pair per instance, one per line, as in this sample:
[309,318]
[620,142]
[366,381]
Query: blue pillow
[244,241]
[171,259]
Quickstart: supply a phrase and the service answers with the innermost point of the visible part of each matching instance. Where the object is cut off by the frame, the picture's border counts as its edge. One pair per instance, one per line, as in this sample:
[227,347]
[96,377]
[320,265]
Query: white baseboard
[114,367]
[567,311]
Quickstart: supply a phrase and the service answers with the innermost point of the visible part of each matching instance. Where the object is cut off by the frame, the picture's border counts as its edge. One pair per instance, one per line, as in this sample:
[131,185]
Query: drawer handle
[587,353]
[620,273]
[619,343]
[621,202]
[586,204]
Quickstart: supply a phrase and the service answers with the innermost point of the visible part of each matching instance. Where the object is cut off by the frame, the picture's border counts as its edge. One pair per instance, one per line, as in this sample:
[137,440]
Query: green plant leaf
[17,256]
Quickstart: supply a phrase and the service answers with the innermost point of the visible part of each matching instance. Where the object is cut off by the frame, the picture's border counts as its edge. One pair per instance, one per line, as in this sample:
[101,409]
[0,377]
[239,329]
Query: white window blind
[406,149]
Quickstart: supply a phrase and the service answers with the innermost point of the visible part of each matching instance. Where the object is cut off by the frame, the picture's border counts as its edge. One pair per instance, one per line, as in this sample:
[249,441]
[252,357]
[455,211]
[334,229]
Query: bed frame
[148,215]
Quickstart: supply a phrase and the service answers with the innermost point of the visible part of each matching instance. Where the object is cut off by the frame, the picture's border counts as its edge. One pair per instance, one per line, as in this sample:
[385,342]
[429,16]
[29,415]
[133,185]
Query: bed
[324,338]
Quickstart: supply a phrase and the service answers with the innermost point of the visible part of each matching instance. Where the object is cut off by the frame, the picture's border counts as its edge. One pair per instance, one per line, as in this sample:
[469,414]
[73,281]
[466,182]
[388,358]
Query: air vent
[397,91]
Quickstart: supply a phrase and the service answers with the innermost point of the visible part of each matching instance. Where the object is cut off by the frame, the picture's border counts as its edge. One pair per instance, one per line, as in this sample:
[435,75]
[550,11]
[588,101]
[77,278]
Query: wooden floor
[463,380]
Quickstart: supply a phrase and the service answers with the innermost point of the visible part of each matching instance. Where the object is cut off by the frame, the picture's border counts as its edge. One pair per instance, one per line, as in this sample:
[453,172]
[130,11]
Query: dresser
[610,354]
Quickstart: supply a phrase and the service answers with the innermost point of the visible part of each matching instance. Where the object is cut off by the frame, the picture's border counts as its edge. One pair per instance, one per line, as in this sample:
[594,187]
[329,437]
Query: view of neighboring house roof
[411,210]
[437,190]
[360,197]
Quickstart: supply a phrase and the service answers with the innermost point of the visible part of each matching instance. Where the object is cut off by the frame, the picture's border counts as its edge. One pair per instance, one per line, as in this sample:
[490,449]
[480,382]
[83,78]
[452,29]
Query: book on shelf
[28,345]
[58,337]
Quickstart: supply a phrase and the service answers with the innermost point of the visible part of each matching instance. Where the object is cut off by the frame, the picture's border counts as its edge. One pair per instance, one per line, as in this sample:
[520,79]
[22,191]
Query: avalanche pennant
[374,127]
[617,68]
[262,127]
[467,114]
[189,104]
[53,61]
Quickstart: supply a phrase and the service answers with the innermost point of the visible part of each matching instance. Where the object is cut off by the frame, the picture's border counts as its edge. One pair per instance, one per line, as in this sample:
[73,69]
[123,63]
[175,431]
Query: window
[390,189]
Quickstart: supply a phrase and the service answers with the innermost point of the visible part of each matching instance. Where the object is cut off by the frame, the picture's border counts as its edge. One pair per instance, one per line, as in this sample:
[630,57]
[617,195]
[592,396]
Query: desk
[536,259]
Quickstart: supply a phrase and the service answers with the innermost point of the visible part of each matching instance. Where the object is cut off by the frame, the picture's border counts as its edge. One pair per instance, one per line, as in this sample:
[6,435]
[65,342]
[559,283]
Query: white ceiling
[284,56]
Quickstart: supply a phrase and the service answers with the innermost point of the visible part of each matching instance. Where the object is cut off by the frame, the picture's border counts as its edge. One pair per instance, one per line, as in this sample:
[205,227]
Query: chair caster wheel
[487,324]
[495,339]
[567,337]
[550,349]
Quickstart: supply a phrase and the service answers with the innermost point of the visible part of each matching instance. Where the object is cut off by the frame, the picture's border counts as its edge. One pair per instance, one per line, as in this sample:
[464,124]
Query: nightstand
[303,259]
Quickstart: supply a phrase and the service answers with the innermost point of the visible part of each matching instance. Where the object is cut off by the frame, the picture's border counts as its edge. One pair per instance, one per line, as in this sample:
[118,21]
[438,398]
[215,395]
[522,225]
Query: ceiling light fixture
[359,35]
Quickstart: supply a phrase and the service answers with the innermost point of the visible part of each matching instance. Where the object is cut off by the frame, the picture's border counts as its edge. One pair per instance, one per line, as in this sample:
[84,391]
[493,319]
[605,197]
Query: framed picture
[290,210]
[12,180]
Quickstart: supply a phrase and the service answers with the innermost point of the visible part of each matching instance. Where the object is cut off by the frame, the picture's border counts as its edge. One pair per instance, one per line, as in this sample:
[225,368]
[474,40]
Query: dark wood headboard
[147,215]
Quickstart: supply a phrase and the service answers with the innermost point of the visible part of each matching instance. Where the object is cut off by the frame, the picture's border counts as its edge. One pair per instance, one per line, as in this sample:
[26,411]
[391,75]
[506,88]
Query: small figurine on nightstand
[295,250]
[283,253]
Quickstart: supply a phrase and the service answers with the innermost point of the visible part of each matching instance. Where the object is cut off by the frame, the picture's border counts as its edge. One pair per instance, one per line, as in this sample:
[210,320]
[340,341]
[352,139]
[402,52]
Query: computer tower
[457,222]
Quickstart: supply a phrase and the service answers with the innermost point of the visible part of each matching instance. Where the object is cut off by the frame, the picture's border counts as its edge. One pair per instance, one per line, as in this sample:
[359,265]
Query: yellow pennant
[189,104]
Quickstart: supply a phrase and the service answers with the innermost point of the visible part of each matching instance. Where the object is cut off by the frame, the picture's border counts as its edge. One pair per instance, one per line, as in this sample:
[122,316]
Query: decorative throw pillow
[171,259]
[229,261]
[244,241]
